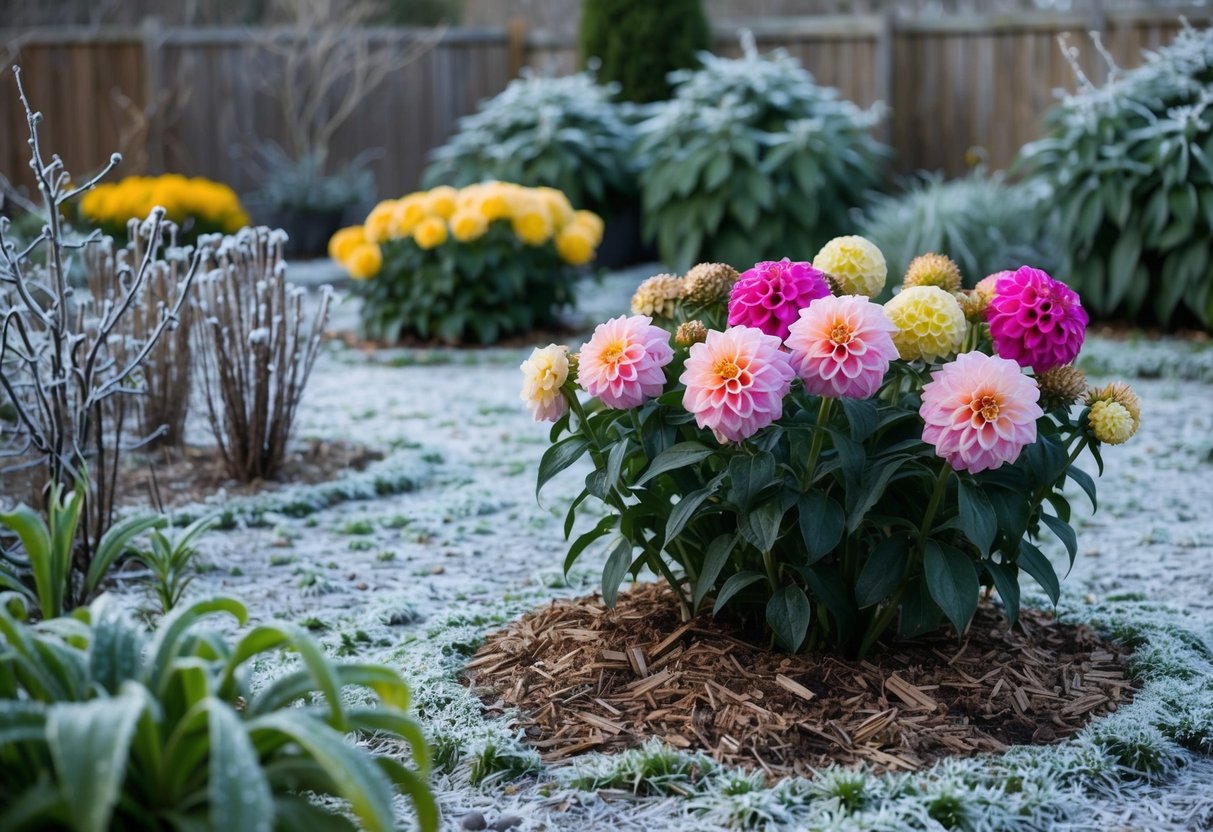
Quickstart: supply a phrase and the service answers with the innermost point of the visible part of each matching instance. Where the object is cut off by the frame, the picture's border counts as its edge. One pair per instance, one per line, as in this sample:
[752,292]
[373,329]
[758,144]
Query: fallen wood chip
[794,687]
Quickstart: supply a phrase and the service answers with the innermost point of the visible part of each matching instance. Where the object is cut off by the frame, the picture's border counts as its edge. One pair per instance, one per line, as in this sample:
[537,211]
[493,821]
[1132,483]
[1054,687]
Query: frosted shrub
[1130,166]
[752,156]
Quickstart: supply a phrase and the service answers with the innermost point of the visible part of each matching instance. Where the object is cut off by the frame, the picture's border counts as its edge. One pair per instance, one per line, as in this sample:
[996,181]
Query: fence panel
[959,88]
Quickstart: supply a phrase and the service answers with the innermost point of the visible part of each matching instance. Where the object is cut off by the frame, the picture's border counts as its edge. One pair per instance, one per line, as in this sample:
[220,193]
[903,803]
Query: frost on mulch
[585,677]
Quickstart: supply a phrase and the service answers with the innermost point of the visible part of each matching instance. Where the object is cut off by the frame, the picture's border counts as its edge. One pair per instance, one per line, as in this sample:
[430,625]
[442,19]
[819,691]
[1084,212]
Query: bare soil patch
[589,678]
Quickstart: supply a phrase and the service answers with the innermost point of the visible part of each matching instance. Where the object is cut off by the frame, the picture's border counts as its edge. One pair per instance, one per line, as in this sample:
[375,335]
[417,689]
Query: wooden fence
[189,99]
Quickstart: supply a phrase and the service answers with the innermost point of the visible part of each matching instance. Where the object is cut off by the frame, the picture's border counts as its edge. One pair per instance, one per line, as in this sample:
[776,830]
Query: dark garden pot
[621,243]
[308,232]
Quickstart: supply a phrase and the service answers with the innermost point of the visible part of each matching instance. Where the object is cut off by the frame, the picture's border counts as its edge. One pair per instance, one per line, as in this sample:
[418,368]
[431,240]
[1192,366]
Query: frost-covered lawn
[460,545]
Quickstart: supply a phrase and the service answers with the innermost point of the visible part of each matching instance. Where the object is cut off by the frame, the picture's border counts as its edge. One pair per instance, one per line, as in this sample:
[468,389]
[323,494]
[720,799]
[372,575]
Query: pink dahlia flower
[771,294]
[621,364]
[735,382]
[980,411]
[842,346]
[1035,320]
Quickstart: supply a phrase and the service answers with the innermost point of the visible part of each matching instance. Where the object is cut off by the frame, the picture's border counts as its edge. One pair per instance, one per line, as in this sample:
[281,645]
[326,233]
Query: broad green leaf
[748,475]
[1006,581]
[616,568]
[167,643]
[713,561]
[603,526]
[675,457]
[685,509]
[36,540]
[1086,483]
[952,581]
[862,417]
[238,792]
[882,571]
[821,522]
[559,457]
[760,525]
[424,805]
[1034,562]
[354,774]
[90,745]
[1065,533]
[734,585]
[114,543]
[788,615]
[977,518]
[22,721]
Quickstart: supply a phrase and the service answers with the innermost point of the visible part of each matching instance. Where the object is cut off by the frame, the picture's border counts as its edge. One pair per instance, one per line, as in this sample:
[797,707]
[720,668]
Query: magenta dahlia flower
[735,382]
[980,411]
[621,363]
[842,346]
[770,295]
[1035,320]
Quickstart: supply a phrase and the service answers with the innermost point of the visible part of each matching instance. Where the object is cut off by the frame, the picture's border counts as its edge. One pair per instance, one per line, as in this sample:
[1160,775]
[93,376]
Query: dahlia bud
[1111,422]
[933,270]
[1120,394]
[973,304]
[708,283]
[690,332]
[658,296]
[1061,386]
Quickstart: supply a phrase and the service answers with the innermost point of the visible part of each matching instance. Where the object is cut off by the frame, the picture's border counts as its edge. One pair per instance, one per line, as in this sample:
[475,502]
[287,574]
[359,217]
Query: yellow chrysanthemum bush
[470,264]
[196,205]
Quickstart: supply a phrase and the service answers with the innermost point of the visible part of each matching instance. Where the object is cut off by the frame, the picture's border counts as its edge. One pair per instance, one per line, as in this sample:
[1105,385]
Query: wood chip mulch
[589,678]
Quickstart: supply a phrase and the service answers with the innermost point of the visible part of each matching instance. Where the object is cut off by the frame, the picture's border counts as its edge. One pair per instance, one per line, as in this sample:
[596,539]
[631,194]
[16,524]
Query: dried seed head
[658,296]
[690,332]
[708,282]
[933,270]
[1061,386]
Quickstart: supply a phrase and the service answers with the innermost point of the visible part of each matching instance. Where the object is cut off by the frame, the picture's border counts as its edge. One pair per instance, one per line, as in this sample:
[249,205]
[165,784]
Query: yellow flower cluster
[210,204]
[432,218]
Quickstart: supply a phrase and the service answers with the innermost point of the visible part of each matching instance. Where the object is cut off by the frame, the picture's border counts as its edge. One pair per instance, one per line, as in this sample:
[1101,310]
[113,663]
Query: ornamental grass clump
[1130,172]
[475,264]
[825,467]
[752,156]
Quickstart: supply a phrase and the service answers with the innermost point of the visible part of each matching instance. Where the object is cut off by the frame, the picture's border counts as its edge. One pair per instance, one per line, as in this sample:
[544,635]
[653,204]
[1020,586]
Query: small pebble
[437,570]
[505,822]
[473,821]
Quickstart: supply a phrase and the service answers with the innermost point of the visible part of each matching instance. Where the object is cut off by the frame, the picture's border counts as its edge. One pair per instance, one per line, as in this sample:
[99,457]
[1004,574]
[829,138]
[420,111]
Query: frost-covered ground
[461,545]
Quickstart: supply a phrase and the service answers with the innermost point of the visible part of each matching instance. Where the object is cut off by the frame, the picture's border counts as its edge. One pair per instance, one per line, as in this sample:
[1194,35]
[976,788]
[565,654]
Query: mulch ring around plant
[587,678]
[182,476]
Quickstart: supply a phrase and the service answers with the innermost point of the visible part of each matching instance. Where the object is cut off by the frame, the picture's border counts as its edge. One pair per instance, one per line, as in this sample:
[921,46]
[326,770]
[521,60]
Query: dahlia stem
[941,483]
[823,415]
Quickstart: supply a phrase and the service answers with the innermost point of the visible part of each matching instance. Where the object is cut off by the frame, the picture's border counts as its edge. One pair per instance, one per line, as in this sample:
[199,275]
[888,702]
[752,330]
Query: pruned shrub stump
[588,678]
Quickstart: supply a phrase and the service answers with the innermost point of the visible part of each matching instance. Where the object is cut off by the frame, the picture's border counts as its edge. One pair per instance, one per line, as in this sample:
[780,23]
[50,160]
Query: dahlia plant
[822,465]
[479,263]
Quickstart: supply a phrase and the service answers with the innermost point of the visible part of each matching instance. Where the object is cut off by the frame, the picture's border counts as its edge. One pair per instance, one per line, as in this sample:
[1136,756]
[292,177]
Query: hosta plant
[476,264]
[105,726]
[752,156]
[824,465]
[565,133]
[1130,166]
